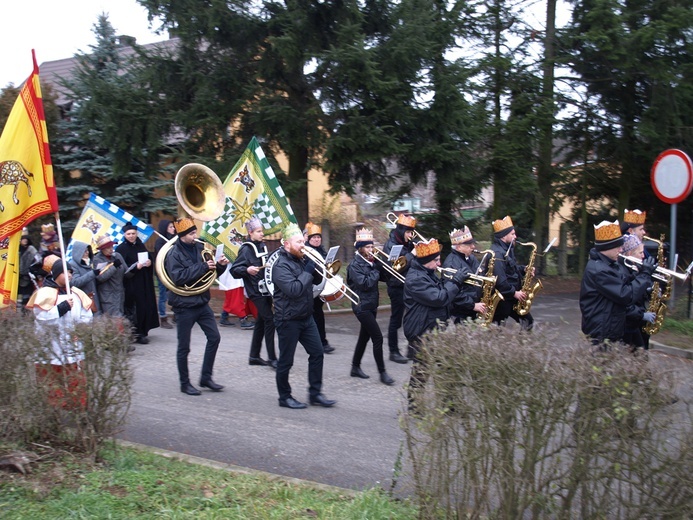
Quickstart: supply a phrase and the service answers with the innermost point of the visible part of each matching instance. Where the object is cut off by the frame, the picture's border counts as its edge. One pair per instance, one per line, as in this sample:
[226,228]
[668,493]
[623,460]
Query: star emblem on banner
[243,211]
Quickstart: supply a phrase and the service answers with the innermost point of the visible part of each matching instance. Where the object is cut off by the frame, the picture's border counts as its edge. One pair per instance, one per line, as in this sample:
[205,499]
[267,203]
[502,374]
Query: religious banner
[251,188]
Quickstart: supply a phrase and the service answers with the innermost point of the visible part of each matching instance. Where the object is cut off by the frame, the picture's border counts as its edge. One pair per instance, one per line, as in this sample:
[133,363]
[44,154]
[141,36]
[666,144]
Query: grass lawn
[130,483]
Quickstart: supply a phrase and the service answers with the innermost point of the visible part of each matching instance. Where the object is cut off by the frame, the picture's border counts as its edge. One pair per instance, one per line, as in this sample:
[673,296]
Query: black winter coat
[184,265]
[427,299]
[250,254]
[507,271]
[293,288]
[363,277]
[463,304]
[605,293]
[392,241]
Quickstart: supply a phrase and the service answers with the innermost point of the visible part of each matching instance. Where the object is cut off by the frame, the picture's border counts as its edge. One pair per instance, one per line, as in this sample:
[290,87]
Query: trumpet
[474,279]
[396,266]
[660,273]
[392,219]
[327,273]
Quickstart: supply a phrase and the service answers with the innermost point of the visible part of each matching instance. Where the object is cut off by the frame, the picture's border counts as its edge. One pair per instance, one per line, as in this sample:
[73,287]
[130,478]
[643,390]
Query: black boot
[357,372]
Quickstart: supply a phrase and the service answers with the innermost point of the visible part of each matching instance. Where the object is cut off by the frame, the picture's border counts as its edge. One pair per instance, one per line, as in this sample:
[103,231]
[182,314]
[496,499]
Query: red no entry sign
[672,176]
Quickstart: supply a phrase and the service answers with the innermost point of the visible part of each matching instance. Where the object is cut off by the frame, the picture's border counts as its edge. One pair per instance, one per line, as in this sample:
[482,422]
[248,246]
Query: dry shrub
[35,408]
[531,425]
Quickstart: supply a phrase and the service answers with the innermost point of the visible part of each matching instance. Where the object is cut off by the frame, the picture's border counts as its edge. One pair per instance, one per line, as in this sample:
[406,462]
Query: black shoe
[386,379]
[357,372]
[292,403]
[327,348]
[211,385]
[272,363]
[143,340]
[224,322]
[189,389]
[398,358]
[256,361]
[132,348]
[321,400]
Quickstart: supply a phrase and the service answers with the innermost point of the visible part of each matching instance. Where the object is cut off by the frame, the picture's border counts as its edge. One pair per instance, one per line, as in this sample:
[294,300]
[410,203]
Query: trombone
[660,273]
[474,279]
[392,219]
[326,271]
[396,265]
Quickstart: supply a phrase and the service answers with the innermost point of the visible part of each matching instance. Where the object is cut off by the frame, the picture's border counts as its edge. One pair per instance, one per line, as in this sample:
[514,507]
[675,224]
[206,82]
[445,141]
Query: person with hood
[401,235]
[312,235]
[467,304]
[166,232]
[140,297]
[27,256]
[84,274]
[109,283]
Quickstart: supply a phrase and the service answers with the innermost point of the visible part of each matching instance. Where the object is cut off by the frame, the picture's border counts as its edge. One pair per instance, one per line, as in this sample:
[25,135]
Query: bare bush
[526,425]
[78,408]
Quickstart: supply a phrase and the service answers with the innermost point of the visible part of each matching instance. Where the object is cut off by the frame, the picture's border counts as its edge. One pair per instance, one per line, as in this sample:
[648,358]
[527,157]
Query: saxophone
[489,294]
[530,286]
[658,297]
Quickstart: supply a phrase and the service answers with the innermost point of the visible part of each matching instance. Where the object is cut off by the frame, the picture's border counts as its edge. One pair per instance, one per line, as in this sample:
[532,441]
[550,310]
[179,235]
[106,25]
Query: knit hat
[128,226]
[291,231]
[607,235]
[364,237]
[312,229]
[630,242]
[184,226]
[253,224]
[427,251]
[103,242]
[461,236]
[502,227]
[57,269]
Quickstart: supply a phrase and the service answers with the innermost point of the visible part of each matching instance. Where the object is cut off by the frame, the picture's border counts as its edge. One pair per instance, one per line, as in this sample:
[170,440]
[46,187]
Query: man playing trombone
[467,303]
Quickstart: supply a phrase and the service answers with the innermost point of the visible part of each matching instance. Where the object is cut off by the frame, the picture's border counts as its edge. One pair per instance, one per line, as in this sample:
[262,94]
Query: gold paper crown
[291,231]
[313,229]
[104,241]
[406,220]
[424,249]
[635,217]
[460,236]
[364,235]
[500,225]
[606,231]
[48,262]
[183,224]
[47,228]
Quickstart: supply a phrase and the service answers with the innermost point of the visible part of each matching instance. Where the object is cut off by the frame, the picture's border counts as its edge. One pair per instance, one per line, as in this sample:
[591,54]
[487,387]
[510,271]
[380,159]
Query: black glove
[309,267]
[63,308]
[97,272]
[648,266]
[459,277]
[117,263]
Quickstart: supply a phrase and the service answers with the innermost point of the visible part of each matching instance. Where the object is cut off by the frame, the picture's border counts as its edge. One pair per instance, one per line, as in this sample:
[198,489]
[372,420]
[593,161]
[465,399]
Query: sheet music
[395,253]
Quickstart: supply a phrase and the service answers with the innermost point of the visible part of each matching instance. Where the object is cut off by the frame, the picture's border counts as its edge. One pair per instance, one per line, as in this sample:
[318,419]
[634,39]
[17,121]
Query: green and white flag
[251,189]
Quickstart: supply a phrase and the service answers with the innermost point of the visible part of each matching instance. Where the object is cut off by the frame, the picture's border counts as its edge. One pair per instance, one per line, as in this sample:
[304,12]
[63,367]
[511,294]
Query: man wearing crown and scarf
[467,303]
[185,265]
[401,235]
[509,274]
[606,291]
[293,277]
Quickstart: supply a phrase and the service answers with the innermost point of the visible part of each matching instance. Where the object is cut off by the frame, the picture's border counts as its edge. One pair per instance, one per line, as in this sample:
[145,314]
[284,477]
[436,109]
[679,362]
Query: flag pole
[62,251]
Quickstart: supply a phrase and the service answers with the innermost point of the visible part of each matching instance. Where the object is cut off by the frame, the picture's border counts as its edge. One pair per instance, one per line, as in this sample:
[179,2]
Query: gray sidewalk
[352,445]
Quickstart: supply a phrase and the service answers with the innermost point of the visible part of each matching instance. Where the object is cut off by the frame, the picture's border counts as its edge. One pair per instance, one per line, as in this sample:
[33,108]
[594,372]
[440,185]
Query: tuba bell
[201,196]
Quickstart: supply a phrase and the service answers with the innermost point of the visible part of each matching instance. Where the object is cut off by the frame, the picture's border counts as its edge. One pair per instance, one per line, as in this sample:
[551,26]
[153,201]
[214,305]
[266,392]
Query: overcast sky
[58,29]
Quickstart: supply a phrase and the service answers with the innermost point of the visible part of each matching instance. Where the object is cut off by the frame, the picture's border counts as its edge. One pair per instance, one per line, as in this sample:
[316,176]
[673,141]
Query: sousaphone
[201,196]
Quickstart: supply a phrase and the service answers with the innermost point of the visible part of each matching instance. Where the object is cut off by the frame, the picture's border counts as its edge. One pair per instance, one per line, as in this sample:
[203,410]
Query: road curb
[673,351]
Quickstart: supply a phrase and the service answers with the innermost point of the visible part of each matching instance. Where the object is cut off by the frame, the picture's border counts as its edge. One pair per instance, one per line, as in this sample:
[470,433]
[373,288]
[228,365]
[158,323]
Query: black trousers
[396,295]
[264,328]
[505,310]
[319,317]
[290,332]
[185,319]
[369,330]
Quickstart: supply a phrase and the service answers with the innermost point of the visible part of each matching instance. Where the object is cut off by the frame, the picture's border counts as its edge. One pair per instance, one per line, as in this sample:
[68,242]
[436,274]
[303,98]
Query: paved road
[353,445]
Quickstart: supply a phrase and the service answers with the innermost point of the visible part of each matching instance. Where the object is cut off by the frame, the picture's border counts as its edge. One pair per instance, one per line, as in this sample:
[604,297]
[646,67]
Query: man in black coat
[509,274]
[401,235]
[467,303]
[249,266]
[185,265]
[606,289]
[293,279]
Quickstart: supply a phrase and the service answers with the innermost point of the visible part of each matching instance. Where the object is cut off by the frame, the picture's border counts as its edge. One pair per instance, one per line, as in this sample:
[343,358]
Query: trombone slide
[327,274]
[660,273]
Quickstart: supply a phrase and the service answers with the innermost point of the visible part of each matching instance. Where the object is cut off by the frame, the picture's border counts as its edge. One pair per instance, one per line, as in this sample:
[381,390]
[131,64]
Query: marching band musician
[249,266]
[634,223]
[363,275]
[293,278]
[509,274]
[605,291]
[185,265]
[637,312]
[312,235]
[401,235]
[467,303]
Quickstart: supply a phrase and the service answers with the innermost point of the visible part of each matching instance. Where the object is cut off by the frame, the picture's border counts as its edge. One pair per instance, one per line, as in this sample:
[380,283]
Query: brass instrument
[659,295]
[530,286]
[201,195]
[661,273]
[392,219]
[490,296]
[327,274]
[474,279]
[392,269]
